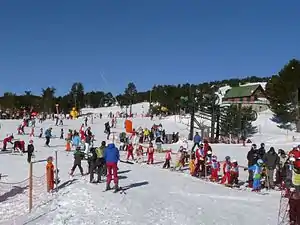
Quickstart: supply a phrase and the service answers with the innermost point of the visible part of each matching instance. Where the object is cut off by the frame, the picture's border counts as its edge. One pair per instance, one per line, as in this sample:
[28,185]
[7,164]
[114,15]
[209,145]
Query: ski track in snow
[168,198]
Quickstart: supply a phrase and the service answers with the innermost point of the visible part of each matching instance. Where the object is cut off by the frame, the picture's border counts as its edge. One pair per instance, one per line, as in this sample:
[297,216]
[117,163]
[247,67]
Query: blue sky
[56,43]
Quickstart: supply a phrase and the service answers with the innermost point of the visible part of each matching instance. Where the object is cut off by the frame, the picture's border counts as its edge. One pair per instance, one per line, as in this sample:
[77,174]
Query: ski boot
[116,188]
[107,187]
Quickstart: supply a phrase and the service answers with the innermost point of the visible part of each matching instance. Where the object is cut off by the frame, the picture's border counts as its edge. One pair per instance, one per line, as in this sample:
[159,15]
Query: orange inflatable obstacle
[128,126]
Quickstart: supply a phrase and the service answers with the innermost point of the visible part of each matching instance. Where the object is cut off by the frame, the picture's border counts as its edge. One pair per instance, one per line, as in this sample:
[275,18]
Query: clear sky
[57,42]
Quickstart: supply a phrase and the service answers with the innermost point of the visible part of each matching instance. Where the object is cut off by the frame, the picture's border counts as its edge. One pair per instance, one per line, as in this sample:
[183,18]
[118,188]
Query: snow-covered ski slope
[154,195]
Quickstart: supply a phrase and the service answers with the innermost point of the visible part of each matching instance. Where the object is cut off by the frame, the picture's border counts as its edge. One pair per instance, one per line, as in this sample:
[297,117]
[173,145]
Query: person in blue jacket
[112,156]
[197,141]
[257,170]
[76,140]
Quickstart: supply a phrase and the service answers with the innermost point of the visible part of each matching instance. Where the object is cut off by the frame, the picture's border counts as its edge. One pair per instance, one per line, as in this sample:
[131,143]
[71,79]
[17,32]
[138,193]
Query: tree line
[282,91]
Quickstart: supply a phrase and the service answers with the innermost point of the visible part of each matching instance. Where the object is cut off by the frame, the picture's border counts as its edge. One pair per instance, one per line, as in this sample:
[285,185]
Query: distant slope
[139,108]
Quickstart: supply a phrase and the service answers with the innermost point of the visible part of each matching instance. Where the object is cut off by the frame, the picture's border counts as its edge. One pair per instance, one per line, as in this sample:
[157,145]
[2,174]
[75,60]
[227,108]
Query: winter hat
[234,161]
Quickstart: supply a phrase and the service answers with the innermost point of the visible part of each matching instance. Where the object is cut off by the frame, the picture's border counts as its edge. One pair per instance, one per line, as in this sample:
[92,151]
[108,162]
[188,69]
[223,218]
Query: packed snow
[153,195]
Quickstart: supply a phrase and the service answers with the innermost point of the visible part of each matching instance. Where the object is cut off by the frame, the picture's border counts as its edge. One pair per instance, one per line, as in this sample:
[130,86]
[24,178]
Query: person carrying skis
[112,157]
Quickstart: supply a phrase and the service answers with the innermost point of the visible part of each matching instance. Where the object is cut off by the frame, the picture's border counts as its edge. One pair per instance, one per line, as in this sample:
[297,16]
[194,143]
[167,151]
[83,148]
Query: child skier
[215,168]
[192,165]
[168,159]
[139,153]
[180,159]
[7,140]
[19,146]
[150,153]
[234,173]
[78,155]
[257,170]
[30,150]
[130,151]
[226,171]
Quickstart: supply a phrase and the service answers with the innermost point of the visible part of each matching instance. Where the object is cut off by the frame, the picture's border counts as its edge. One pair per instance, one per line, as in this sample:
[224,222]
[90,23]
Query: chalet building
[250,95]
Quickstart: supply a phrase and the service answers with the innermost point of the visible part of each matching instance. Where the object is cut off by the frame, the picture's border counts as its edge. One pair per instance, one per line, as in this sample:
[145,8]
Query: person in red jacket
[7,140]
[295,153]
[19,146]
[130,151]
[150,153]
[168,159]
[215,168]
[226,171]
[206,147]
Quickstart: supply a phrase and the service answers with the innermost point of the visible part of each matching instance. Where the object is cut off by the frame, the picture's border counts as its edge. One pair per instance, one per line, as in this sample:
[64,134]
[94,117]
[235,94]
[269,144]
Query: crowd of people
[200,159]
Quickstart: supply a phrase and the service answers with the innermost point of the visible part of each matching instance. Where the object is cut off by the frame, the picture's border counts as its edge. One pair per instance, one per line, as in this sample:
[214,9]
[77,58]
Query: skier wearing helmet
[256,170]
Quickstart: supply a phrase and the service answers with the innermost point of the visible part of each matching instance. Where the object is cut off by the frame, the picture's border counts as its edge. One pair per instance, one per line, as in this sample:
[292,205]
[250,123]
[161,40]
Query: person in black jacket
[92,161]
[30,150]
[272,161]
[261,151]
[252,158]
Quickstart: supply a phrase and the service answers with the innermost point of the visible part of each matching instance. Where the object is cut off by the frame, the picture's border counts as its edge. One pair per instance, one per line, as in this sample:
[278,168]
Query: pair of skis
[118,190]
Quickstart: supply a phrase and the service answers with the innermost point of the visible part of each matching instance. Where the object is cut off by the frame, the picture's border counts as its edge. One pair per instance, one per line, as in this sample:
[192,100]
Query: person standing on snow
[48,135]
[257,171]
[112,156]
[150,153]
[293,191]
[271,160]
[77,162]
[261,151]
[197,141]
[97,162]
[252,158]
[30,150]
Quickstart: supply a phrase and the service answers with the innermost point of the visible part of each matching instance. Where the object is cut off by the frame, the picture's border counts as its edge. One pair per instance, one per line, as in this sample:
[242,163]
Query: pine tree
[237,121]
[282,92]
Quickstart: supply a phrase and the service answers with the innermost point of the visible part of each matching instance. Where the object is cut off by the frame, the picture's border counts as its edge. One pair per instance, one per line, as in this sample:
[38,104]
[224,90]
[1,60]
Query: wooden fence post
[30,185]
